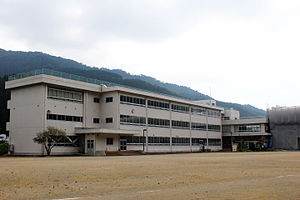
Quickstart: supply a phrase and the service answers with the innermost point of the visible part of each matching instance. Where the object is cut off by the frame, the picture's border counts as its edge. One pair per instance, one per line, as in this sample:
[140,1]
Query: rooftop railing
[59,74]
[81,78]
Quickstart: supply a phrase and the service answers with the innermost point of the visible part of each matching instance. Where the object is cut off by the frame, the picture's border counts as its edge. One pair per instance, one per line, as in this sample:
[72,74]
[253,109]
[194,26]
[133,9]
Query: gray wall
[285,127]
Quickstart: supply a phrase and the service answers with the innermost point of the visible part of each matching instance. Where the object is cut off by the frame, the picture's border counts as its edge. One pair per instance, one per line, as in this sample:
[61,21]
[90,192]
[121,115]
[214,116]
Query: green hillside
[12,62]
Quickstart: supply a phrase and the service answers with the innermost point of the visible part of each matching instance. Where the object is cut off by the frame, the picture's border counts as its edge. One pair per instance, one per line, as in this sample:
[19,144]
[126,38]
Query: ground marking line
[290,175]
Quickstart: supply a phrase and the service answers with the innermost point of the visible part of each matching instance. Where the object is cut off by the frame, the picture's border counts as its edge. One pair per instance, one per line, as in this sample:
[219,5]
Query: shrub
[4,146]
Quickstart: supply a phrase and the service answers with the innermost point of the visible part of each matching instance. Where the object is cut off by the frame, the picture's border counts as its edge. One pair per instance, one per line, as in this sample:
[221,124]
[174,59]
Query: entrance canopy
[105,131]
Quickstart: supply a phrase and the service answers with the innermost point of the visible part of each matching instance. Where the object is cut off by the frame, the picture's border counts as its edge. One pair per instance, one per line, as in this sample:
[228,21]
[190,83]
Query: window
[109,141]
[133,120]
[226,129]
[165,141]
[96,100]
[158,104]
[248,128]
[159,122]
[214,142]
[64,118]
[197,141]
[180,124]
[215,128]
[65,95]
[214,113]
[108,99]
[198,126]
[69,118]
[109,120]
[198,111]
[181,141]
[180,108]
[96,120]
[132,100]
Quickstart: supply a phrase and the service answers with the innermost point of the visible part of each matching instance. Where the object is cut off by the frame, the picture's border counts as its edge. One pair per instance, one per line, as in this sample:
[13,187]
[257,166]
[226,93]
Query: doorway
[123,144]
[90,147]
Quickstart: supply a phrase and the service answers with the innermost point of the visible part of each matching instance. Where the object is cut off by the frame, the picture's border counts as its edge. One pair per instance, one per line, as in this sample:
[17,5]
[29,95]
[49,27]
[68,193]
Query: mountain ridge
[12,62]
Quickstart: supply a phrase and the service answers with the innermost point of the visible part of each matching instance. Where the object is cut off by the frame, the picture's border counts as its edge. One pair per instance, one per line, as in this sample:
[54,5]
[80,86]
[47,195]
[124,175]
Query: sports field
[263,175]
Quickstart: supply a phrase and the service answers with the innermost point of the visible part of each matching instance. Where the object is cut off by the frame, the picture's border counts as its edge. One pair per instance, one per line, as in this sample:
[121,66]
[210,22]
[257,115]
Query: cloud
[245,51]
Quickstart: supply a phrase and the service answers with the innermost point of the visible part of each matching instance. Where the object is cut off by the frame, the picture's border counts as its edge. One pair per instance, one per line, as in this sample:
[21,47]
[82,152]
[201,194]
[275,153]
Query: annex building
[99,117]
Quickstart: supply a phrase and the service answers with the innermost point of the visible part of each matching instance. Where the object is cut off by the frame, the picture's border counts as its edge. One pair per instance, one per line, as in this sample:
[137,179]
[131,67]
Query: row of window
[139,140]
[127,119]
[132,100]
[136,120]
[158,104]
[179,108]
[164,105]
[248,128]
[64,94]
[242,128]
[107,99]
[198,126]
[107,120]
[71,95]
[180,124]
[212,127]
[64,118]
[158,122]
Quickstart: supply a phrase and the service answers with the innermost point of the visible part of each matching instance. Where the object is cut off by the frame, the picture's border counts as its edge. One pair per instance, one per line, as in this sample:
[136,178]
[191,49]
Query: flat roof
[89,84]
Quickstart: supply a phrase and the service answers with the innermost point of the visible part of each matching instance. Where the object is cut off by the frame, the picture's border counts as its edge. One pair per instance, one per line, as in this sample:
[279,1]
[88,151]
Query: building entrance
[90,147]
[123,144]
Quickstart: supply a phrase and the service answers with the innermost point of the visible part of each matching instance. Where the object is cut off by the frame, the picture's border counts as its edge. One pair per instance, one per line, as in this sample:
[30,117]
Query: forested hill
[12,62]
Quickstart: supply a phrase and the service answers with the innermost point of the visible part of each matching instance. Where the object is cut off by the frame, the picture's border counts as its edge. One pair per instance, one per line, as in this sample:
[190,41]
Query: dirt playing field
[264,175]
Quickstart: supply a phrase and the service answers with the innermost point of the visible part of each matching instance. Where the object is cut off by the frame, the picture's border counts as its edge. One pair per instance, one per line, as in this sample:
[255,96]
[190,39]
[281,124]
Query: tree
[50,137]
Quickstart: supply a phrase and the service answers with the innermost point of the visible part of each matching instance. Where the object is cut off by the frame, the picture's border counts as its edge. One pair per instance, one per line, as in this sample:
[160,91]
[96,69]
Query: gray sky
[244,51]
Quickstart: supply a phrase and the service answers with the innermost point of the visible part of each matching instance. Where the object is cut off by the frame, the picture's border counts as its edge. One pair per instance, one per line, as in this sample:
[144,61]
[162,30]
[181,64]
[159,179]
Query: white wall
[27,118]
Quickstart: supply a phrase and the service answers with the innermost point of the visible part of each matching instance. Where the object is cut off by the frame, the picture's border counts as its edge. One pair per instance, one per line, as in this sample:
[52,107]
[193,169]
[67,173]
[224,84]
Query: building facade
[285,127]
[245,134]
[101,118]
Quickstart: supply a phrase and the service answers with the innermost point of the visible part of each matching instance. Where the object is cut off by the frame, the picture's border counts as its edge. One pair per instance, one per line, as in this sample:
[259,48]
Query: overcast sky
[244,51]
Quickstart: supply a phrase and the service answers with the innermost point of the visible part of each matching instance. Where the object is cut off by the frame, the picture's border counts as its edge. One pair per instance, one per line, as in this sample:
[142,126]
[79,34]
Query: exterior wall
[91,109]
[64,108]
[286,137]
[27,118]
[32,101]
[110,109]
[231,114]
[285,127]
[101,145]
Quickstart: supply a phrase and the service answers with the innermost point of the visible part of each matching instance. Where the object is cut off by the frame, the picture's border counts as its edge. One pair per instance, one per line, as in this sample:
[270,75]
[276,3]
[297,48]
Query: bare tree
[49,138]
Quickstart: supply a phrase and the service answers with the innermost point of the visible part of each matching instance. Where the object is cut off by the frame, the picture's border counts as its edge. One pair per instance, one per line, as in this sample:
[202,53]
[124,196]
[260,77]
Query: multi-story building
[99,117]
[247,133]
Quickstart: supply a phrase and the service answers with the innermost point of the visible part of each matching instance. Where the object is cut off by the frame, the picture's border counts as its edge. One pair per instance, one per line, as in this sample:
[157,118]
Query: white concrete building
[247,133]
[99,118]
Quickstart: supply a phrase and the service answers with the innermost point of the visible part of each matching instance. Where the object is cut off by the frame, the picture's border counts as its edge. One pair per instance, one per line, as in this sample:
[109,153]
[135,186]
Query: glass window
[132,100]
[65,94]
[109,120]
[96,100]
[109,141]
[108,99]
[96,120]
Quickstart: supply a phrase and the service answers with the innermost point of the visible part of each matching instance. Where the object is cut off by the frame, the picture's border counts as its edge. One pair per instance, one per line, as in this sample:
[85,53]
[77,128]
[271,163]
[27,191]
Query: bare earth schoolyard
[264,175]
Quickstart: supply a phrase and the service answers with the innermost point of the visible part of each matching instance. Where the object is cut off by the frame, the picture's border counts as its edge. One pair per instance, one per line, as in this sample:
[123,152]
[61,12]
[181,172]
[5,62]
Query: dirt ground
[263,175]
